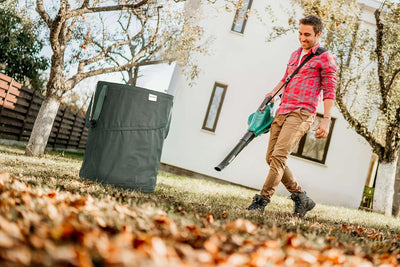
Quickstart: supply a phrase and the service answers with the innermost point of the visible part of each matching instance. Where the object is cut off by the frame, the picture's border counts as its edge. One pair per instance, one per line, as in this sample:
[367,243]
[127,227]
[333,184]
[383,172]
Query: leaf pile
[40,226]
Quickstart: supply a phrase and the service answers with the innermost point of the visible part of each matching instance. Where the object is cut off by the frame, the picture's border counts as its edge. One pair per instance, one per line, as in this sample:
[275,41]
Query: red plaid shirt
[304,89]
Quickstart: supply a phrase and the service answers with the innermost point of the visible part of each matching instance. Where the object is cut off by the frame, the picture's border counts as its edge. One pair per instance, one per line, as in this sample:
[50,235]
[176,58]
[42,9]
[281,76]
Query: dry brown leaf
[210,218]
[4,177]
[237,259]
[36,241]
[52,194]
[335,256]
[124,239]
[78,202]
[100,222]
[203,256]
[66,253]
[6,241]
[242,225]
[11,228]
[20,255]
[264,256]
[125,210]
[212,245]
[185,250]
[84,258]
[26,198]
[158,246]
[167,224]
[308,257]
[275,254]
[52,212]
[294,240]
[19,186]
[273,244]
[237,240]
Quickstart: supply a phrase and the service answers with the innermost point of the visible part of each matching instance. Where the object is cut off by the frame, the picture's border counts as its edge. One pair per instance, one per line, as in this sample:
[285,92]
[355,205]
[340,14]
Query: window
[214,107]
[311,148]
[241,16]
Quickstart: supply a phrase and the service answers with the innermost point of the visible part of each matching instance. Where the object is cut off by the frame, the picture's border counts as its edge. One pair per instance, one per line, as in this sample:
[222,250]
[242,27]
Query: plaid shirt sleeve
[328,76]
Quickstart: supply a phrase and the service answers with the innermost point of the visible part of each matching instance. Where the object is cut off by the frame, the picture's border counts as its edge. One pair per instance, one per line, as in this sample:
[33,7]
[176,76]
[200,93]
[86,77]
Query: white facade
[251,67]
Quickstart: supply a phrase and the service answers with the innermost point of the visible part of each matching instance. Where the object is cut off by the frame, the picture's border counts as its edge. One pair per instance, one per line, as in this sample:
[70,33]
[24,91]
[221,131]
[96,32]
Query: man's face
[307,37]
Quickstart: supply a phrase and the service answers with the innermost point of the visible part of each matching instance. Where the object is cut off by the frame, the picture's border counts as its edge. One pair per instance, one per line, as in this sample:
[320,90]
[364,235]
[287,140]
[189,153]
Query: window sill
[309,161]
[237,33]
[207,131]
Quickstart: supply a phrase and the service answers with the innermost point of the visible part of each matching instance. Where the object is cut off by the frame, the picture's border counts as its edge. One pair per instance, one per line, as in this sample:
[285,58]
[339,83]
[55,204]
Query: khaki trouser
[285,133]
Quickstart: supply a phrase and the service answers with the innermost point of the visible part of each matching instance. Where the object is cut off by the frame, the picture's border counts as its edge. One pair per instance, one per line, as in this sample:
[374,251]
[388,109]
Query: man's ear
[319,34]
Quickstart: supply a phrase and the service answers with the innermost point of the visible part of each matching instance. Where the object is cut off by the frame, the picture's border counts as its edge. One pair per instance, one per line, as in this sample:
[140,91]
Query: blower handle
[268,99]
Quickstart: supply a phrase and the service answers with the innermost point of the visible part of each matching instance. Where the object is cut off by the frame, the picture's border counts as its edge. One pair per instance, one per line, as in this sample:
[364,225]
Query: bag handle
[93,113]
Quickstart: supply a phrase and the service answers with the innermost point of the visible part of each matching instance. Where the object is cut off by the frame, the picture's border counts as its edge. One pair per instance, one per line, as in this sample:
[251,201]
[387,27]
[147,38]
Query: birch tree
[85,43]
[368,89]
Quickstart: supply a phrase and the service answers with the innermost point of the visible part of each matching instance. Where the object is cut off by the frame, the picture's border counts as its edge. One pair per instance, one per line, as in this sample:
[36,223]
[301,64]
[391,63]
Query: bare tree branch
[85,4]
[42,13]
[70,29]
[358,126]
[381,60]
[353,44]
[133,62]
[120,55]
[83,75]
[81,11]
[396,72]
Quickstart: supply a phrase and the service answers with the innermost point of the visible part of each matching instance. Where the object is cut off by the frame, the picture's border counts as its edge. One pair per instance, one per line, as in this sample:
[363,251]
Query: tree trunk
[384,187]
[396,198]
[42,126]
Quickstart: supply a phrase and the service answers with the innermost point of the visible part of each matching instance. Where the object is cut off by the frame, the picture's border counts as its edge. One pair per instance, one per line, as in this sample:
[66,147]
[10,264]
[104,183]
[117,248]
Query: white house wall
[251,67]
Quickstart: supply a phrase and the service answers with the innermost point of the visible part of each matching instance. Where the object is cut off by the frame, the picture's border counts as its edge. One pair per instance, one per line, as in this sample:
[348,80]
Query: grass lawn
[51,217]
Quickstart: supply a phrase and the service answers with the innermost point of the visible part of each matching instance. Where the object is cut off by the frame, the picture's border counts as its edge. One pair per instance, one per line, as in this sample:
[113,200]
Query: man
[296,114]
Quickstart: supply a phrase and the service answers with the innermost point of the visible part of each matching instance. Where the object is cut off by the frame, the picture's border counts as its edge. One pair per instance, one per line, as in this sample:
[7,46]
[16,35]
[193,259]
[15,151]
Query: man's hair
[314,21]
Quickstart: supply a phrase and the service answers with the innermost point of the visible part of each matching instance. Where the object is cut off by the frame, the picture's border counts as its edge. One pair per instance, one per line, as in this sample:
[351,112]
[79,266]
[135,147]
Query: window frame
[244,19]
[224,87]
[300,148]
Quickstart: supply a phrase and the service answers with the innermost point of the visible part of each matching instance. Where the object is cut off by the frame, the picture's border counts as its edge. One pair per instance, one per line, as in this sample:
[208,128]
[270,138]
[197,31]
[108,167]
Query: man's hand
[270,94]
[322,130]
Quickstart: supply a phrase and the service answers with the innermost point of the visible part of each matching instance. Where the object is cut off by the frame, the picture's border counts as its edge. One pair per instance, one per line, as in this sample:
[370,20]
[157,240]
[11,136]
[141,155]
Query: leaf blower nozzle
[244,141]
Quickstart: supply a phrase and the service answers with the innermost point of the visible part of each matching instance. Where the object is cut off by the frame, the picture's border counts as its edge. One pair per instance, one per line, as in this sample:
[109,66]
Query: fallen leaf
[212,245]
[6,241]
[237,259]
[125,210]
[159,246]
[4,177]
[19,255]
[210,218]
[52,212]
[294,240]
[100,222]
[335,256]
[242,225]
[11,228]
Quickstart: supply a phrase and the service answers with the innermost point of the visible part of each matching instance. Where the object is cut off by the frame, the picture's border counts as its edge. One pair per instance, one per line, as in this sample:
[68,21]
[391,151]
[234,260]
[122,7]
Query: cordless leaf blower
[259,122]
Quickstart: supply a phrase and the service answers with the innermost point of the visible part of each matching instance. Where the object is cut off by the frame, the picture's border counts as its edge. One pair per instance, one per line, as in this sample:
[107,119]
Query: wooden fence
[19,107]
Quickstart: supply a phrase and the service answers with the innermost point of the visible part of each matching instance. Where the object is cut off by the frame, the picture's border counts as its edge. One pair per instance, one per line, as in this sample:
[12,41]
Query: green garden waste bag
[127,127]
